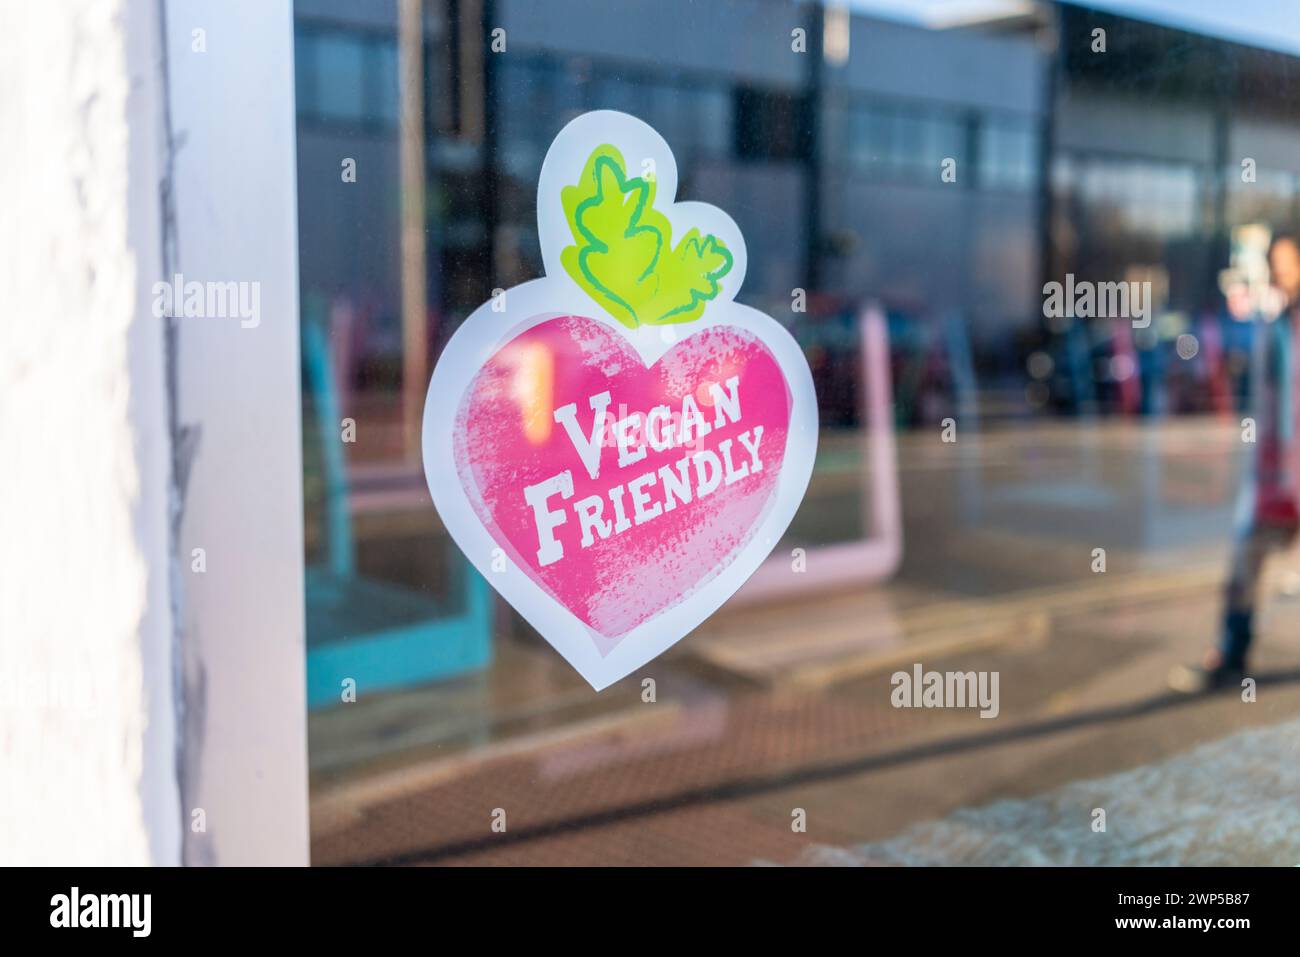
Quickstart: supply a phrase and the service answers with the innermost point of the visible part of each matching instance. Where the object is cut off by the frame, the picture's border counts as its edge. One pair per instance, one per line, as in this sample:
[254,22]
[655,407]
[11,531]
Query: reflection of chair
[379,634]
[875,555]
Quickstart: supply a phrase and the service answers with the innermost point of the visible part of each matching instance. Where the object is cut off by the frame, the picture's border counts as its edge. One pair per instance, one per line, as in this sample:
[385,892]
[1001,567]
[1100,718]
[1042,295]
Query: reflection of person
[1268,509]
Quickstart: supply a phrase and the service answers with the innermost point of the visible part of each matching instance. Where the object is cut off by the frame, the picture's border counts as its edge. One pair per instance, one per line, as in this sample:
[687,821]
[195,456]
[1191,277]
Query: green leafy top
[624,257]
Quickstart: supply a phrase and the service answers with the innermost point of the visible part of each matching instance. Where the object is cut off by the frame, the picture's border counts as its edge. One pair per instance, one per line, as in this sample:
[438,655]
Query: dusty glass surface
[999,488]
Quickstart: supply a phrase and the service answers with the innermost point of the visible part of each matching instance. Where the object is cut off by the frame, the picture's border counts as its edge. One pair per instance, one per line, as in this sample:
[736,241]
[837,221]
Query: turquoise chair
[381,635]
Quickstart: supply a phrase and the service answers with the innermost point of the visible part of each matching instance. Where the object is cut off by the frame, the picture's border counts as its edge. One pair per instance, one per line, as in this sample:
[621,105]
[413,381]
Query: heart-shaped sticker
[619,445]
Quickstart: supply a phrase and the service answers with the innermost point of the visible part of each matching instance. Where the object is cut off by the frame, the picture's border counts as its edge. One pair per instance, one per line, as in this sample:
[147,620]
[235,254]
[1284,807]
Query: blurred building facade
[1065,160]
[947,174]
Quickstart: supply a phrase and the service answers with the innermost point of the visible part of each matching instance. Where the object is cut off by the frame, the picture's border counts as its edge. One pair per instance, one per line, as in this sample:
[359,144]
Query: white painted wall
[87,729]
[110,771]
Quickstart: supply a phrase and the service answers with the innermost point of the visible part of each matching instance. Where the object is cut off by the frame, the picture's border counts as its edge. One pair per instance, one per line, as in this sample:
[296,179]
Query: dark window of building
[770,125]
[1008,154]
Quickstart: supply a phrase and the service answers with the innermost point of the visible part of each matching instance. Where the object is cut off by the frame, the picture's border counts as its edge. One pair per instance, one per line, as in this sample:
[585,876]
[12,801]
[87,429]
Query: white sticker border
[487,329]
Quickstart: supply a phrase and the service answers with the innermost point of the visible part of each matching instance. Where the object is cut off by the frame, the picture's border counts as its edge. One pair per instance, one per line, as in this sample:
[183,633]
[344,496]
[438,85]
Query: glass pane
[340,76]
[382,78]
[1009,155]
[1041,406]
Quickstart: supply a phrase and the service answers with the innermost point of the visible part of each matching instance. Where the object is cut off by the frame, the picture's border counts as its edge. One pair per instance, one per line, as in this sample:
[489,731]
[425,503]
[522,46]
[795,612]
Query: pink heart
[716,469]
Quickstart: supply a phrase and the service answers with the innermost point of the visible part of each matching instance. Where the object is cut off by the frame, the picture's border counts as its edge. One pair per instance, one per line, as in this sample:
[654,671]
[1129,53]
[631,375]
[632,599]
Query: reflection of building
[946,173]
[834,176]
[740,118]
[1161,148]
[1151,142]
[832,164]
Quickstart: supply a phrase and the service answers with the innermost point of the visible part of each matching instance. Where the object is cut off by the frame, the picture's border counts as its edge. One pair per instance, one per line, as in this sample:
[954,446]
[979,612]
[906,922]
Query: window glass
[1009,155]
[381,76]
[340,74]
[1008,480]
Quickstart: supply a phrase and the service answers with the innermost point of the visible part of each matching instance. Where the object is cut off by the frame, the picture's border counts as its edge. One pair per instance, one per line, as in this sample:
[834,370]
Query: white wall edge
[244,750]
